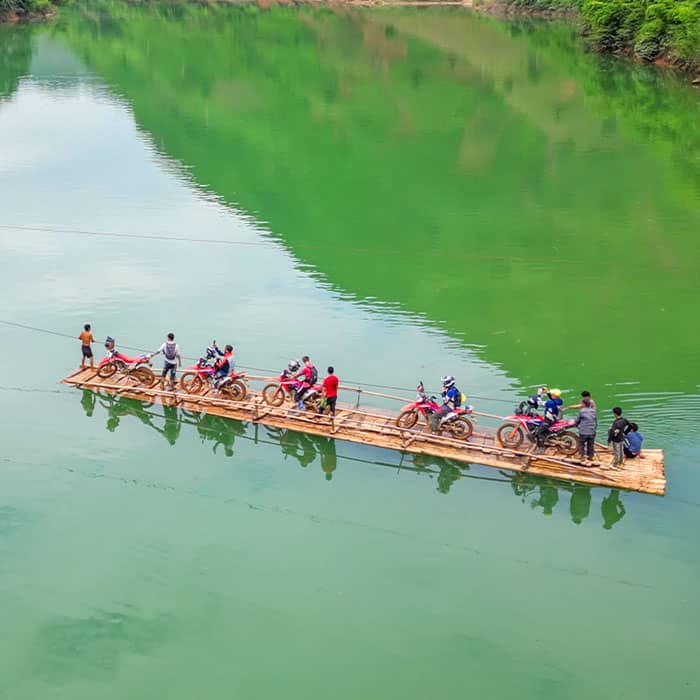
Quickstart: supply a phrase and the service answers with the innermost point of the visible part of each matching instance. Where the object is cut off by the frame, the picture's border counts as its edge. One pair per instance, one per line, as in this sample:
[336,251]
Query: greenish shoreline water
[667,32]
[401,194]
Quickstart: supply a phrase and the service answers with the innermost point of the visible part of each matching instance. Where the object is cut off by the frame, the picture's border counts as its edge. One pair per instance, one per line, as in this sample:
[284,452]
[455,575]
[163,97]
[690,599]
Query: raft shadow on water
[537,491]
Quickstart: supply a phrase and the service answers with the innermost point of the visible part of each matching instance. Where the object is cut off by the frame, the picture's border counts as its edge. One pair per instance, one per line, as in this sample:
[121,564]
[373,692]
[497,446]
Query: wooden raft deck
[645,474]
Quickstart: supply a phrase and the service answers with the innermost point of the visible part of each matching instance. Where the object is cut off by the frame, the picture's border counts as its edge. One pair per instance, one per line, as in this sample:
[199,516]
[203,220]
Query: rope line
[277,243]
[267,370]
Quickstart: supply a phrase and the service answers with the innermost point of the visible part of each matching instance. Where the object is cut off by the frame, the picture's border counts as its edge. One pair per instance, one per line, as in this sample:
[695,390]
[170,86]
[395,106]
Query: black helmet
[109,341]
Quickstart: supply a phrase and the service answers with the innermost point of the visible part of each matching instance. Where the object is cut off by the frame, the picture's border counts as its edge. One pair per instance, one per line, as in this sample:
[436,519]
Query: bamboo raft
[378,428]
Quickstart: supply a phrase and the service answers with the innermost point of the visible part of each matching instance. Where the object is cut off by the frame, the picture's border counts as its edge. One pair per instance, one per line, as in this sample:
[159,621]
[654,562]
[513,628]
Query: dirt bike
[195,377]
[455,422]
[517,427]
[136,368]
[286,386]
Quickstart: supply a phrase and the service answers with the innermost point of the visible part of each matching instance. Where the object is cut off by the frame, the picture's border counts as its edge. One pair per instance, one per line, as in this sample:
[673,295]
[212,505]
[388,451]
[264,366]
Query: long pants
[586,446]
[629,454]
[436,417]
[300,391]
[618,453]
[541,432]
[169,367]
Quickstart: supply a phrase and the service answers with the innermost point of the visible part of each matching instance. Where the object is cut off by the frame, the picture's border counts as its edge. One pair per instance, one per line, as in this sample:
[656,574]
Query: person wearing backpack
[451,400]
[616,437]
[308,376]
[173,360]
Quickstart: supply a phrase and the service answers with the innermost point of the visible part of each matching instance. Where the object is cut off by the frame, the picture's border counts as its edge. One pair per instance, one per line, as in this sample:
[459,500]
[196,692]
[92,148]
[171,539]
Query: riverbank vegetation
[26,9]
[652,30]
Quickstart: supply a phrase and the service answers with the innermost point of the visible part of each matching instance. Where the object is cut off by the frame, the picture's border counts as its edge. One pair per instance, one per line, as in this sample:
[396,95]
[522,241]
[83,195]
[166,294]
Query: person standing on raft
[330,392]
[616,437]
[86,338]
[173,359]
[587,422]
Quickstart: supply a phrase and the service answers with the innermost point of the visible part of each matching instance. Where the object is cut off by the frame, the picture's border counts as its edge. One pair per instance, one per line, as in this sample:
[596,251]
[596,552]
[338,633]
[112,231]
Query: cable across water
[266,370]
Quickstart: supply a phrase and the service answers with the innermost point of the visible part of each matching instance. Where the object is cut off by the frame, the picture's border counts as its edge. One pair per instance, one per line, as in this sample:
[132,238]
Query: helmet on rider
[448,380]
[109,342]
[293,366]
[555,393]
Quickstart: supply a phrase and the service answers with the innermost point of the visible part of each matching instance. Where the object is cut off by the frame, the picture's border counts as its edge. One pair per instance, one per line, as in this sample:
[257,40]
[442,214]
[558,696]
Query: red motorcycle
[202,374]
[136,368]
[455,422]
[286,386]
[517,427]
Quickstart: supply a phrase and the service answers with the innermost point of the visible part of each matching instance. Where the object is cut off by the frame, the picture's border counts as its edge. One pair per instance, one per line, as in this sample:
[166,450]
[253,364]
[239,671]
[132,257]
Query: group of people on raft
[623,436]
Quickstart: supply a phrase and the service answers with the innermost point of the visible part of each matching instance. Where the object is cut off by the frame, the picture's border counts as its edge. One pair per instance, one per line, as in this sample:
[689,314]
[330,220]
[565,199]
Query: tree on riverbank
[650,29]
[26,8]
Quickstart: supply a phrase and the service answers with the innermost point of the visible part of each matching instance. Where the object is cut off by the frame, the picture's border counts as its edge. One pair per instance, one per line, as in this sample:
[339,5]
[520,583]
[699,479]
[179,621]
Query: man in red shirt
[330,391]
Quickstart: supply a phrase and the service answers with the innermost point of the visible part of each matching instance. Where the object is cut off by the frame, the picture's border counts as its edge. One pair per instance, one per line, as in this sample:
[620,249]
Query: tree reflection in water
[540,493]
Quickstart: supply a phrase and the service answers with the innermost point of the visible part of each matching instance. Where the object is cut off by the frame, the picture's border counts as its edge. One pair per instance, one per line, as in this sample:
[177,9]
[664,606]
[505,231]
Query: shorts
[87,351]
[169,367]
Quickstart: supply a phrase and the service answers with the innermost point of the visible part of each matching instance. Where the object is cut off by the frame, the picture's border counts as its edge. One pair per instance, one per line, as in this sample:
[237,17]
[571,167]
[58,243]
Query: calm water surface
[400,193]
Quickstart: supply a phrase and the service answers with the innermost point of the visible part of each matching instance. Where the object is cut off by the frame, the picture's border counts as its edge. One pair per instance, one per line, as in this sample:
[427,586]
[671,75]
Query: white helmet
[293,366]
[448,380]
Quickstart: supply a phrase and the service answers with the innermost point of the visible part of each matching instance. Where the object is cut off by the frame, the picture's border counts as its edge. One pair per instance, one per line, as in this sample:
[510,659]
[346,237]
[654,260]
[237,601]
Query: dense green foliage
[651,27]
[23,7]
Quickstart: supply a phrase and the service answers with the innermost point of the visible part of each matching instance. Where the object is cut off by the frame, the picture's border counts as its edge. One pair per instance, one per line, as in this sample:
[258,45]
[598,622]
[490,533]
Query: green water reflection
[419,192]
[306,450]
[493,178]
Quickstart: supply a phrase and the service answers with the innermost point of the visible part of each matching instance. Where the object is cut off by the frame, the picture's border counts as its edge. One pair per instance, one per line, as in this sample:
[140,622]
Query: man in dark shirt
[616,437]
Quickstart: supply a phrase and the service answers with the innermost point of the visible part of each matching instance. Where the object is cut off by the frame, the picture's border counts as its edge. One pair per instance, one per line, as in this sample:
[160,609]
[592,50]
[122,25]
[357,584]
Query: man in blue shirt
[633,442]
[451,399]
[552,413]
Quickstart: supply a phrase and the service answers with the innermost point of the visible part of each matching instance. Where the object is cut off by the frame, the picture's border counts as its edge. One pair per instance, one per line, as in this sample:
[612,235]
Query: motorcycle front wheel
[567,443]
[407,419]
[144,376]
[273,394]
[107,370]
[191,382]
[510,435]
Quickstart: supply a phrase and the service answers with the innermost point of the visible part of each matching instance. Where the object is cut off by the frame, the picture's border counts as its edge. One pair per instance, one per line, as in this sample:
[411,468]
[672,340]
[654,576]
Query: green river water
[402,193]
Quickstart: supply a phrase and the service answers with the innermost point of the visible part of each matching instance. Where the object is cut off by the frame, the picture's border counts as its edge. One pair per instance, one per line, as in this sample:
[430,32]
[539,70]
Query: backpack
[170,351]
[313,378]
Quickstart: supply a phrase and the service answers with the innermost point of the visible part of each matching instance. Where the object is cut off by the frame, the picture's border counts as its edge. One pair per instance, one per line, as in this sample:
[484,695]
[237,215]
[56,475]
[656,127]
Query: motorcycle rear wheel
[313,404]
[107,370]
[461,428]
[191,382]
[510,435]
[149,378]
[235,390]
[273,394]
[567,443]
[407,419]
[144,376]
